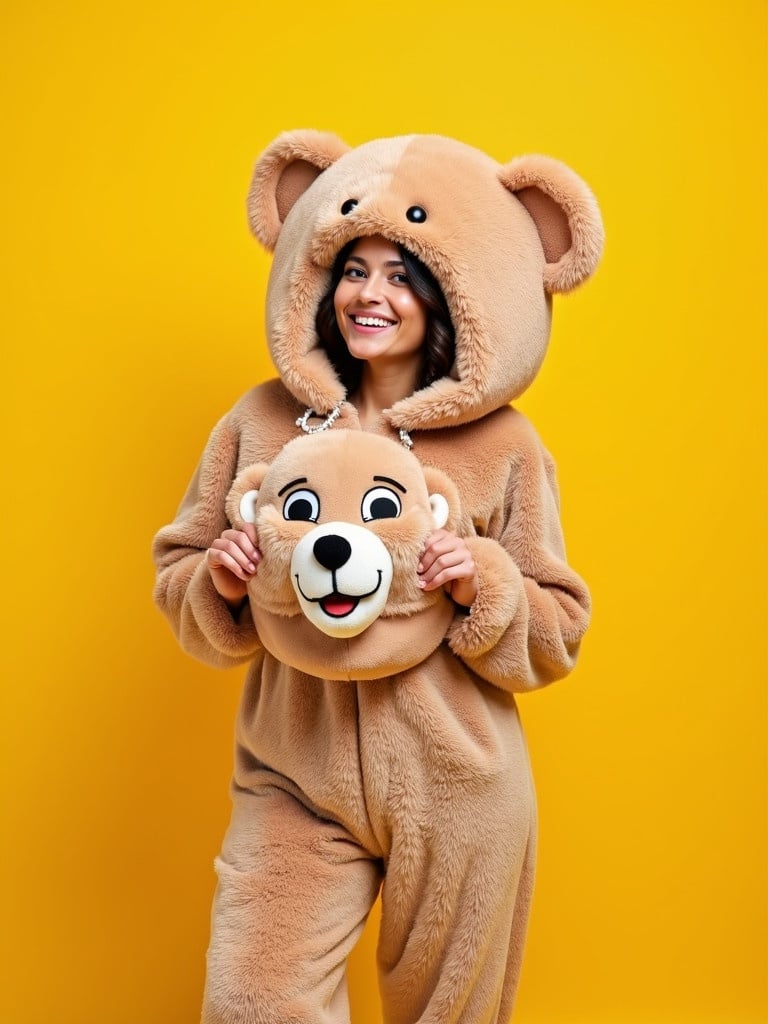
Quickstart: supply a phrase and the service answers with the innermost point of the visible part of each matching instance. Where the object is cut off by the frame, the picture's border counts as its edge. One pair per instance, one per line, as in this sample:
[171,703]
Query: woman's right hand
[232,561]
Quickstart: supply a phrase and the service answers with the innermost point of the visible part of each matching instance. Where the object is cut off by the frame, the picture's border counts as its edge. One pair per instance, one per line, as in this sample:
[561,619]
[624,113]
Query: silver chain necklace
[330,419]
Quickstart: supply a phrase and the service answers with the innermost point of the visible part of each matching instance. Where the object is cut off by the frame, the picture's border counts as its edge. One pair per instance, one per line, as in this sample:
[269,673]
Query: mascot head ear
[440,510]
[241,500]
[283,172]
[565,214]
[443,499]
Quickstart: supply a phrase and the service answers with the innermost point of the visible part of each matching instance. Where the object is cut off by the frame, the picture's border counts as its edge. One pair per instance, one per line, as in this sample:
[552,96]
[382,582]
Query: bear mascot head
[341,518]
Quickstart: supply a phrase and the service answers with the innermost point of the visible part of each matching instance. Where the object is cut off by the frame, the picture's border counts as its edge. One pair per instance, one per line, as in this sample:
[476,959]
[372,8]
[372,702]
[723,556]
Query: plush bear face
[341,519]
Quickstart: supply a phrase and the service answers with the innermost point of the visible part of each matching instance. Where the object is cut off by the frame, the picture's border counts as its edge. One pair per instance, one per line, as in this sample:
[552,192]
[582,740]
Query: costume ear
[440,510]
[443,499]
[241,500]
[247,506]
[283,172]
[565,214]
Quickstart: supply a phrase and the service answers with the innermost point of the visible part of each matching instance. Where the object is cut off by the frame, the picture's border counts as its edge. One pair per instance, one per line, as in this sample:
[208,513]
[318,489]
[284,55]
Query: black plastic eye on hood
[348,206]
[415,214]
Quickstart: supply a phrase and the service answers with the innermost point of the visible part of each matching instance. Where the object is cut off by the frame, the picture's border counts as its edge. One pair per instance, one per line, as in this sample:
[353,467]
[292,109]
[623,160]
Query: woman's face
[379,316]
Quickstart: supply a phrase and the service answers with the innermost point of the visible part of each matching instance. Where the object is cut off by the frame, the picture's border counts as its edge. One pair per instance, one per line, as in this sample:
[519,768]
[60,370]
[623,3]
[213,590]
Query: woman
[417,785]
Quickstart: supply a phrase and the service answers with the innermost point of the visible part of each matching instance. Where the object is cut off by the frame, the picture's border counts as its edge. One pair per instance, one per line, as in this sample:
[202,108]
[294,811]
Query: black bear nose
[332,551]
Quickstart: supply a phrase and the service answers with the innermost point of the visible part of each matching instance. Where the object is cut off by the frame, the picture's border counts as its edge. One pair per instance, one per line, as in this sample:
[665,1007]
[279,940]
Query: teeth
[371,321]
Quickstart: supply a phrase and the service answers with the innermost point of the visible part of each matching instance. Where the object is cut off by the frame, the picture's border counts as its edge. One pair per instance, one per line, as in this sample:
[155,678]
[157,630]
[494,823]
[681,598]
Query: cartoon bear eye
[302,506]
[348,206]
[380,503]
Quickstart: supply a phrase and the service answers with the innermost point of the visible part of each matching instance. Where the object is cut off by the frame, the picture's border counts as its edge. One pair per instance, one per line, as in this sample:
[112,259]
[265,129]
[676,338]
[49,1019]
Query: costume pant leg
[293,894]
[455,905]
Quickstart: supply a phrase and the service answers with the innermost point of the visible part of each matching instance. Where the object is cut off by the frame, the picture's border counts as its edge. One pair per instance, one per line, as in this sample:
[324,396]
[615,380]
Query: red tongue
[337,606]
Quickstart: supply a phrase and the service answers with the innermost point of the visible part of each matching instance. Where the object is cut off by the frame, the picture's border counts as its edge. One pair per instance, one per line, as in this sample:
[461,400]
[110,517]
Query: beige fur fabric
[393,760]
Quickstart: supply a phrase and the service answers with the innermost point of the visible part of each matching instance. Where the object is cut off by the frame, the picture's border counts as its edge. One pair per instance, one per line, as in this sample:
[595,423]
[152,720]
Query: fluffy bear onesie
[407,779]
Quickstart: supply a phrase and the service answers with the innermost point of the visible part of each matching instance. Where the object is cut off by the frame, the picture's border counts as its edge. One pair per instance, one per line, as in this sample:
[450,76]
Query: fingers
[447,562]
[235,551]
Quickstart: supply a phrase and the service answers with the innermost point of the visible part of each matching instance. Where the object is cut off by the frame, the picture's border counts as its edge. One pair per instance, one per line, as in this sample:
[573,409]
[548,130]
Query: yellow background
[132,319]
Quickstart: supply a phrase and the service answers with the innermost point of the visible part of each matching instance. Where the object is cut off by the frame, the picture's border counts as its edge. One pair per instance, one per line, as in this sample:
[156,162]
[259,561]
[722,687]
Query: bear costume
[365,764]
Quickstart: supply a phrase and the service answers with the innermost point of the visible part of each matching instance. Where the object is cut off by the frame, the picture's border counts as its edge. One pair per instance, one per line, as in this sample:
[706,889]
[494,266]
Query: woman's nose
[370,290]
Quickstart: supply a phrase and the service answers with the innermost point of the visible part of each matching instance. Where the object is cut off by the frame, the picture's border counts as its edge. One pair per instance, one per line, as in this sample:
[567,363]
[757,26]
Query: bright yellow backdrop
[132,313]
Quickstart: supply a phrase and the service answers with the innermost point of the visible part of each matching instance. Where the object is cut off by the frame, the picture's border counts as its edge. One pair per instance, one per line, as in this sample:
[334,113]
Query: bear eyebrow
[389,480]
[298,480]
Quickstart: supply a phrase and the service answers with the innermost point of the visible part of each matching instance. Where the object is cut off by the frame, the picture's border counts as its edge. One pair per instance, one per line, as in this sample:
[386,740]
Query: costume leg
[454,912]
[293,894]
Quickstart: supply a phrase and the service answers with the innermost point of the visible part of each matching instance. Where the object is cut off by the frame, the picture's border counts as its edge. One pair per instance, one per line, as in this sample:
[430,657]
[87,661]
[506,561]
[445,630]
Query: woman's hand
[447,562]
[232,560]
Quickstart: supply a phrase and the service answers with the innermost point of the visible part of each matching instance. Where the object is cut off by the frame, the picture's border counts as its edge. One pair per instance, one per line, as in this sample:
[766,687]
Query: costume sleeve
[203,622]
[531,611]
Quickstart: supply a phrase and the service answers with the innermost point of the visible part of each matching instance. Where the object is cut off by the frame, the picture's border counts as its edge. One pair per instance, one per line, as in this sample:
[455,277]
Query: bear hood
[499,238]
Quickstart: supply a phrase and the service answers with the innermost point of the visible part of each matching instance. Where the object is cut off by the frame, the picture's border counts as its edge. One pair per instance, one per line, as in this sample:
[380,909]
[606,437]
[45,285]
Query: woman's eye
[302,506]
[400,278]
[380,503]
[353,272]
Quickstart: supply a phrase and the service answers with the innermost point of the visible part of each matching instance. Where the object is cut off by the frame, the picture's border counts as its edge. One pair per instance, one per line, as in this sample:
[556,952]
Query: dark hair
[439,340]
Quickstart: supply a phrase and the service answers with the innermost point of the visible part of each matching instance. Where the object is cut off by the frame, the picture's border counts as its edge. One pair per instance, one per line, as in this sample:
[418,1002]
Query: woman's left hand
[447,562]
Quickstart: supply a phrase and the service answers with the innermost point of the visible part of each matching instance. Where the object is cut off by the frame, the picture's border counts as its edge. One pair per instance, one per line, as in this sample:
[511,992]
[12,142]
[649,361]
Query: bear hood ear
[443,499]
[566,216]
[283,173]
[241,500]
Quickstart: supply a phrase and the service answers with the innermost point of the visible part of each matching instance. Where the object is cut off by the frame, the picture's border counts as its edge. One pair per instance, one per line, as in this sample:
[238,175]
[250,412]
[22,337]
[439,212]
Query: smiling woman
[411,778]
[380,317]
[404,284]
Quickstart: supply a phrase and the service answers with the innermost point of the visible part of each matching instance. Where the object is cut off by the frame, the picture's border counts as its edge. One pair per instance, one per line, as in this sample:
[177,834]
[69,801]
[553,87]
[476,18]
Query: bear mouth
[337,605]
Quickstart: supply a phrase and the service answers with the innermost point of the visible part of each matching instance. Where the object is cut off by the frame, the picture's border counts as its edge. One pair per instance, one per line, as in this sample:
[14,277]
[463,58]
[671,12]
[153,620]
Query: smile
[337,605]
[371,321]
